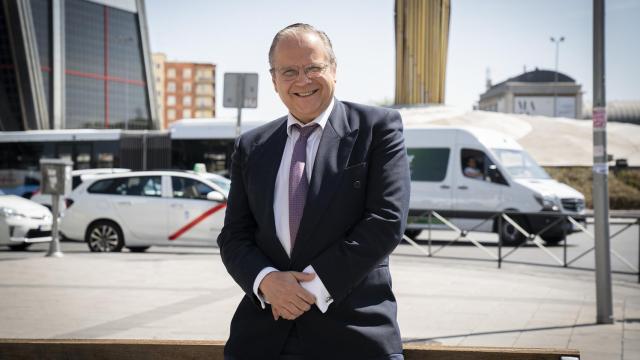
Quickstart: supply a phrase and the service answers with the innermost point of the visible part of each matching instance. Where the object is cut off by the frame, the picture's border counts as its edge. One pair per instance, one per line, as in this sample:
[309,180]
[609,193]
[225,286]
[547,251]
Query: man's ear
[273,80]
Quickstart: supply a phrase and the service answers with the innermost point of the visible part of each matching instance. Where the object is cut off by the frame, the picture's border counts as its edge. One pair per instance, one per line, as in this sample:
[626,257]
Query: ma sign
[543,105]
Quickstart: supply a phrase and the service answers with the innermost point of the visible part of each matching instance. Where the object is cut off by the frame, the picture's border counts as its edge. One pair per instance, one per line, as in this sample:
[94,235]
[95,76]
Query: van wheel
[104,236]
[412,233]
[19,247]
[552,240]
[510,235]
[138,249]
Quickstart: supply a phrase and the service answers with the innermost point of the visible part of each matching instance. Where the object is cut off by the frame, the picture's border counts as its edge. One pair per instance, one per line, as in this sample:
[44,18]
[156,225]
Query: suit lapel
[267,164]
[333,153]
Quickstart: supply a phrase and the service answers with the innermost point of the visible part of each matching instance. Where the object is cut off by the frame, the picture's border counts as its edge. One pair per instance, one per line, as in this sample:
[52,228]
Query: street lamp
[555,76]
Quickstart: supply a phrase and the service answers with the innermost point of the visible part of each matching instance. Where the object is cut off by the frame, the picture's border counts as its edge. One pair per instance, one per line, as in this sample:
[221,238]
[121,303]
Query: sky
[501,38]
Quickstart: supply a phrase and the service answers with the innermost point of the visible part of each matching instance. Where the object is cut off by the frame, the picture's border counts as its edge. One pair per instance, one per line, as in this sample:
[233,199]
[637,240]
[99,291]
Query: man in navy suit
[318,201]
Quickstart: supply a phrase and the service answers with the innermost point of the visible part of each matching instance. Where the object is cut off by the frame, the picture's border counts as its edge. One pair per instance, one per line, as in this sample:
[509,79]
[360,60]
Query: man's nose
[302,78]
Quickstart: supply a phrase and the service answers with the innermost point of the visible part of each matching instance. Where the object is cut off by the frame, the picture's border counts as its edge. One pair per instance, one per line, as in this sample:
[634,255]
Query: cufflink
[328,298]
[356,184]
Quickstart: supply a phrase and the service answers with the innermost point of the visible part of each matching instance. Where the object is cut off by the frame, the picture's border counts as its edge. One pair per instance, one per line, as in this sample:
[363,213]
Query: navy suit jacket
[355,215]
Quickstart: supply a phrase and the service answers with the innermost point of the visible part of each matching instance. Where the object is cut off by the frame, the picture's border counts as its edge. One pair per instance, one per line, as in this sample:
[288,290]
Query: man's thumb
[300,276]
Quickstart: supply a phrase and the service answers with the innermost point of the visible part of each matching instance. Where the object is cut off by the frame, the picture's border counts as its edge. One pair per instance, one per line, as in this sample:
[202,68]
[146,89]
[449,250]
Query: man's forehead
[301,44]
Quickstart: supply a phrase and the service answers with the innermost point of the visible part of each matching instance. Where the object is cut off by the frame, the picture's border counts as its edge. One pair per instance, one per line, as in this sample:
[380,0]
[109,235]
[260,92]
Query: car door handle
[463,187]
[445,187]
[176,205]
[124,203]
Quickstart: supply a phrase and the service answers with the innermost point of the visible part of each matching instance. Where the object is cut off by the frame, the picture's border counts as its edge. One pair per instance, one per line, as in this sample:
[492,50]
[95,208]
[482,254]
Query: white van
[471,169]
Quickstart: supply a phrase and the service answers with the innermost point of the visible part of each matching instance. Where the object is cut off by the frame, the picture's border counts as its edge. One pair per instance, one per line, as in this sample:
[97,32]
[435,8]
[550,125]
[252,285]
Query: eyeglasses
[291,73]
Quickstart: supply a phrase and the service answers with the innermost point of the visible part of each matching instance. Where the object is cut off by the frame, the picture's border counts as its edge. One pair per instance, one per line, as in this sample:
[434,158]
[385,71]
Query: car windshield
[520,165]
[222,182]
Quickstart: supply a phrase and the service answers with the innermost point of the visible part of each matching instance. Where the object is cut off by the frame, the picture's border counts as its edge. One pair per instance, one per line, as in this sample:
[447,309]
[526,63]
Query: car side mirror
[215,196]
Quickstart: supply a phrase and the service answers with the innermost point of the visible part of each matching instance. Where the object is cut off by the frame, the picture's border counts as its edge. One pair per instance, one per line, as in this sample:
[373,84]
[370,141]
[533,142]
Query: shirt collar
[321,120]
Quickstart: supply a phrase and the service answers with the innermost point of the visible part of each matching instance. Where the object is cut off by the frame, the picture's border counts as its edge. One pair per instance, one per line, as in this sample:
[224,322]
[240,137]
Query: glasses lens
[289,74]
[314,70]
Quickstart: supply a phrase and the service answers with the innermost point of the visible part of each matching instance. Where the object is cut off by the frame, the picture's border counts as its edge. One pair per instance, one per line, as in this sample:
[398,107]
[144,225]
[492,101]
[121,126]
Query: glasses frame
[308,71]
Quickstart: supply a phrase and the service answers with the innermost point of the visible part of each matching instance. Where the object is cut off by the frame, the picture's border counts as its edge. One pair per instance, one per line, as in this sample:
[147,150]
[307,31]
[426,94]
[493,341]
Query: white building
[535,93]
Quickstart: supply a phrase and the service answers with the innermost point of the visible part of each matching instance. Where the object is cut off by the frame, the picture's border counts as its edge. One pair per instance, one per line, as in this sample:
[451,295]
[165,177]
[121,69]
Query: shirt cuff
[258,280]
[317,288]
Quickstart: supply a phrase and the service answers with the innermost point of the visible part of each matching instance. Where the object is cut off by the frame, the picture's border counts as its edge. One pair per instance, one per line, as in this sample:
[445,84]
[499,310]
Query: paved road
[185,293]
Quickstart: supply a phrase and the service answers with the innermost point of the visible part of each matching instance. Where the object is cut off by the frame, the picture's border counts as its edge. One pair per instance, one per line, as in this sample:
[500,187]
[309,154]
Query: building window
[186,101]
[171,73]
[186,73]
[203,74]
[186,87]
[171,87]
[171,100]
[204,89]
[171,114]
[186,113]
[204,102]
[204,114]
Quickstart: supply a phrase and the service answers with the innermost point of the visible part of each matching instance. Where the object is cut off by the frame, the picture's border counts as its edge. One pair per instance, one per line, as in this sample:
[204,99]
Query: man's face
[309,93]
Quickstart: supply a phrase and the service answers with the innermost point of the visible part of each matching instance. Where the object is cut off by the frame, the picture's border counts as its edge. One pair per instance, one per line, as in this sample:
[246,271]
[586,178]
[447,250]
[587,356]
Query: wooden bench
[95,349]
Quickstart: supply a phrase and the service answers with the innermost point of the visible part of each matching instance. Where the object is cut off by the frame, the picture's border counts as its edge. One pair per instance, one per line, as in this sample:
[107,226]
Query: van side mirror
[215,196]
[493,171]
[495,175]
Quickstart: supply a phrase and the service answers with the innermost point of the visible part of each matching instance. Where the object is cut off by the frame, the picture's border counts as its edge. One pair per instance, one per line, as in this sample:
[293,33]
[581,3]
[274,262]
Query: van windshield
[520,165]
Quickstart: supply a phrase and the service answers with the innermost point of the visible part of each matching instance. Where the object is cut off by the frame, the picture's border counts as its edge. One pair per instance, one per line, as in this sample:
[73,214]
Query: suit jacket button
[356,184]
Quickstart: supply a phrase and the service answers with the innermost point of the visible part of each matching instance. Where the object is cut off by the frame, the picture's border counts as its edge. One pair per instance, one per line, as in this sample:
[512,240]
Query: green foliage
[630,177]
[624,185]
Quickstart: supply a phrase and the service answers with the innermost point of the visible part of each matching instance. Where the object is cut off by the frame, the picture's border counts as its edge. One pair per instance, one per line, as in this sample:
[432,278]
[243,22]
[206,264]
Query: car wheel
[19,247]
[552,239]
[104,236]
[412,233]
[138,249]
[510,235]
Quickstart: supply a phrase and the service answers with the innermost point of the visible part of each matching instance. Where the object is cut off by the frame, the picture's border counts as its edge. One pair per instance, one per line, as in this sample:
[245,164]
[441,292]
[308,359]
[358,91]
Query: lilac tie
[298,182]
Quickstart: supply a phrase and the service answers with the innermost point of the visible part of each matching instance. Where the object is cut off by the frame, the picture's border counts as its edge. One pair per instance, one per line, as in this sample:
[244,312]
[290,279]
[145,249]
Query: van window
[520,165]
[187,188]
[475,164]
[428,164]
[132,186]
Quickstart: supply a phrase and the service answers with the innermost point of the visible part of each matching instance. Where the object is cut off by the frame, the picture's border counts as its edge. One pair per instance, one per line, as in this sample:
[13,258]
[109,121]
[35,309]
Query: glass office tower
[73,64]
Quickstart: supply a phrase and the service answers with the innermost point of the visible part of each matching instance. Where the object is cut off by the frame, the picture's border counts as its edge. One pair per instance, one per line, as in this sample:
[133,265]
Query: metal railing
[428,220]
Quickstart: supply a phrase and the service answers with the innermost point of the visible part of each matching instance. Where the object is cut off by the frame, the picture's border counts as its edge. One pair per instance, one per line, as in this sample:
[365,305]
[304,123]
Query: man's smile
[305,94]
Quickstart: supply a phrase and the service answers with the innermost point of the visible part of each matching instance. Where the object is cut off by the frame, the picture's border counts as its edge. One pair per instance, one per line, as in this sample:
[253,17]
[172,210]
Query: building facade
[538,92]
[186,90]
[74,64]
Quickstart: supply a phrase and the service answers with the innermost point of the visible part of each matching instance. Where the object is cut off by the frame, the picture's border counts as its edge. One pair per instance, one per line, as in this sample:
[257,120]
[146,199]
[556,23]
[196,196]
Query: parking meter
[56,181]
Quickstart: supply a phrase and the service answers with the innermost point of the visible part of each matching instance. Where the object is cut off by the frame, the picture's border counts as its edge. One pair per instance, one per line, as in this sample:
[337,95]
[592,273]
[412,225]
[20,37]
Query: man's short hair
[299,28]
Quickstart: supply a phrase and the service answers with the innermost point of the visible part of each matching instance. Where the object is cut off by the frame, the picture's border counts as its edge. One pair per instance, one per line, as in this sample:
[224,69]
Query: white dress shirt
[281,204]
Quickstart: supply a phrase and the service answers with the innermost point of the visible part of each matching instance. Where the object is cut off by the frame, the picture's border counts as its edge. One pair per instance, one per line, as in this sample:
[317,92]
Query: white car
[146,208]
[77,177]
[23,222]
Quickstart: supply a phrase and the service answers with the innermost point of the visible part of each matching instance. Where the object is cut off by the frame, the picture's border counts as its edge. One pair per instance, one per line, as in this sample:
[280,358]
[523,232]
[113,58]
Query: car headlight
[8,212]
[547,202]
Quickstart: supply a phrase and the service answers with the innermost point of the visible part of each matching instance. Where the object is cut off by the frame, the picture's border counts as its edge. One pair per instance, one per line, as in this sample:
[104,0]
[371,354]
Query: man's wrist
[258,281]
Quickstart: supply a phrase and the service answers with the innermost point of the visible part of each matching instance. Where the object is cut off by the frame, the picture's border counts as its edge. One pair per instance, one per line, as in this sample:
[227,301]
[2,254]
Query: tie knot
[306,131]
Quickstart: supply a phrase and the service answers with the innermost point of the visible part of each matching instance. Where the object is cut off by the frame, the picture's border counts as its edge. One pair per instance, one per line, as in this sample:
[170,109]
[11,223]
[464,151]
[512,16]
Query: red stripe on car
[197,220]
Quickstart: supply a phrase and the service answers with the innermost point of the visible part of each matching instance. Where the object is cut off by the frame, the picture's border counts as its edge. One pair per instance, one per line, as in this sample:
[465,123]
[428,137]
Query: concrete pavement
[185,293]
